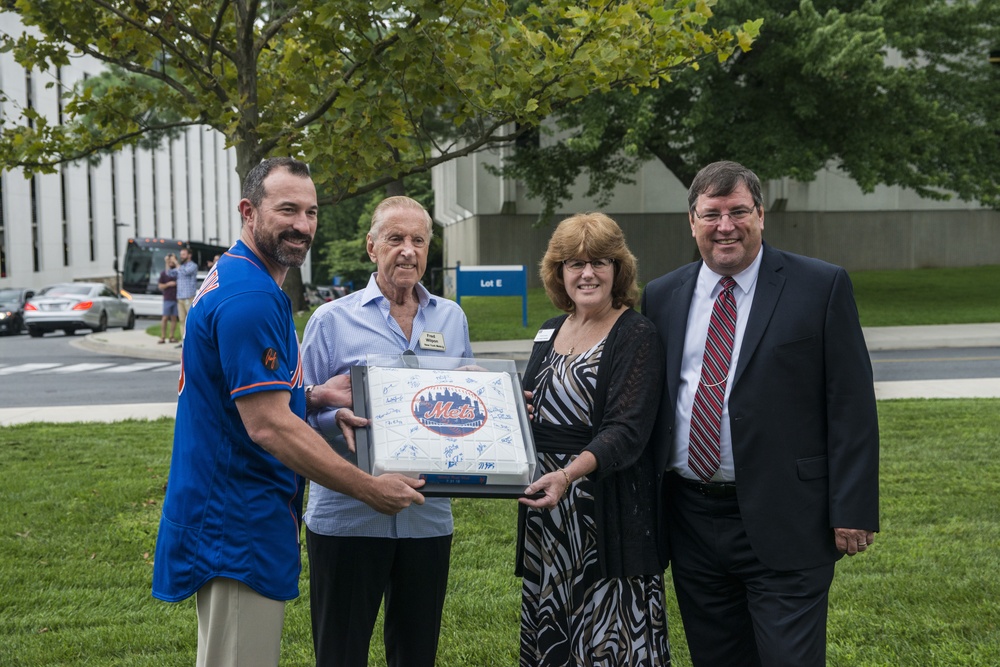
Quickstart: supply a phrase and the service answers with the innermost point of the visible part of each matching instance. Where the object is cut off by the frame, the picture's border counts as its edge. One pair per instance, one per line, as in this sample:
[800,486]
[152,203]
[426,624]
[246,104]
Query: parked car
[12,300]
[320,294]
[325,293]
[72,306]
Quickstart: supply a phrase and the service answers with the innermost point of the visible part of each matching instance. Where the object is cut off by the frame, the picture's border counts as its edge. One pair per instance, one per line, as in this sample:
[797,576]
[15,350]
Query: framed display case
[459,424]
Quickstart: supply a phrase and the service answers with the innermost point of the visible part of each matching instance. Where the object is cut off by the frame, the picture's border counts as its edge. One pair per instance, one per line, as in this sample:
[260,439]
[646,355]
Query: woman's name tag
[544,335]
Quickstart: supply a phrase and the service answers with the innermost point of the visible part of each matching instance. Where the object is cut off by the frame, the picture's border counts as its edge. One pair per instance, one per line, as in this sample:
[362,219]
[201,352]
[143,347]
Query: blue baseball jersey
[232,509]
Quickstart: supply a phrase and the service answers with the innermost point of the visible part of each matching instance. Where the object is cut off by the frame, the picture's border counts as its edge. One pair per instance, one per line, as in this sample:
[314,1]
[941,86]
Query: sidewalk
[140,345]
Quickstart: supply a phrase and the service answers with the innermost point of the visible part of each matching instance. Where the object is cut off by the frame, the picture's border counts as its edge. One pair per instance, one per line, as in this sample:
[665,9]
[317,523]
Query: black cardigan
[629,384]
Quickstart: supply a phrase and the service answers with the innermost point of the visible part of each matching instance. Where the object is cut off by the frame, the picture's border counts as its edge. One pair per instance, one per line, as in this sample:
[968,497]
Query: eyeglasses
[736,215]
[576,265]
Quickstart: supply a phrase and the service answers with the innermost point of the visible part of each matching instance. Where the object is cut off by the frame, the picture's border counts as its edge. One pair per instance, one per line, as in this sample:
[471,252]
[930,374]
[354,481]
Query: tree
[890,91]
[367,92]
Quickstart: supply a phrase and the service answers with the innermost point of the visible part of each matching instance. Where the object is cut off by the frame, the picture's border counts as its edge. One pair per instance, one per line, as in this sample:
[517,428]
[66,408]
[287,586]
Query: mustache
[293,235]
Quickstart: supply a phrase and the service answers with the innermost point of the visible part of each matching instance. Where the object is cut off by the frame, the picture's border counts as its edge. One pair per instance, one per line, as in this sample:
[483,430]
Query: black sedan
[12,300]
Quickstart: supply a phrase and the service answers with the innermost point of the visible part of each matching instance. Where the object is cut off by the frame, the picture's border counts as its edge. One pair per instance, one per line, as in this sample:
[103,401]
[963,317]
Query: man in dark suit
[766,443]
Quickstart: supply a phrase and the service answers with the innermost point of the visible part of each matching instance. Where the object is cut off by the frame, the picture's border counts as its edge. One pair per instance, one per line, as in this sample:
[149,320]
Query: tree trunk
[295,290]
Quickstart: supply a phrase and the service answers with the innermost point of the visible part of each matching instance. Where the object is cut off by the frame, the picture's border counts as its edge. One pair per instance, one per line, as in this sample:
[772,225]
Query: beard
[272,247]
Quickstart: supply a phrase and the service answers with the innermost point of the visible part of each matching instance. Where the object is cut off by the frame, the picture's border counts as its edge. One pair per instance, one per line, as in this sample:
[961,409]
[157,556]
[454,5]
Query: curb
[103,343]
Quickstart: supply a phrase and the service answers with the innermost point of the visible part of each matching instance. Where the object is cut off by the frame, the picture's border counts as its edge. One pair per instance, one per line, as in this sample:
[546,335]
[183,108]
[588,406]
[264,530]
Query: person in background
[186,275]
[767,439]
[168,287]
[593,588]
[229,530]
[358,556]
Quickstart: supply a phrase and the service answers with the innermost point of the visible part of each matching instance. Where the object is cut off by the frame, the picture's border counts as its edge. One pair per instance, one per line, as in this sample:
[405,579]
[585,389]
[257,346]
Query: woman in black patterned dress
[592,574]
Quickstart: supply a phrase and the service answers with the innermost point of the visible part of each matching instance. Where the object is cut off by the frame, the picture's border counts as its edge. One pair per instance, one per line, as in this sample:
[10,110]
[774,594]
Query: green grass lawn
[928,296]
[884,298]
[81,505]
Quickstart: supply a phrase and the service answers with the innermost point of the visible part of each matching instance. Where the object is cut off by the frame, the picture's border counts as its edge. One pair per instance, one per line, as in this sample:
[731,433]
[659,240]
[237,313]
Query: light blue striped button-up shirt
[341,334]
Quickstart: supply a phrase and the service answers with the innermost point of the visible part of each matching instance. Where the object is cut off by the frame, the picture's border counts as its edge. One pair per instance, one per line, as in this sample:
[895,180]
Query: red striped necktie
[706,413]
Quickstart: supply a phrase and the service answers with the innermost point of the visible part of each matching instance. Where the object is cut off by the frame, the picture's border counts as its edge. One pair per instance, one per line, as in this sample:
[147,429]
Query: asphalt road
[49,371]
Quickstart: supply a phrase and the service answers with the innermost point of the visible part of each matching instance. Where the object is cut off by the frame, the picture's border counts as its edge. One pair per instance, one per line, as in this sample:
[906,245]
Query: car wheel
[69,331]
[102,324]
[130,324]
[35,332]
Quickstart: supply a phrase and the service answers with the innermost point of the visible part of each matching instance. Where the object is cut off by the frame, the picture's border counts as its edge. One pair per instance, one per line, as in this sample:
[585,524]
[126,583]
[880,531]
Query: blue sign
[511,280]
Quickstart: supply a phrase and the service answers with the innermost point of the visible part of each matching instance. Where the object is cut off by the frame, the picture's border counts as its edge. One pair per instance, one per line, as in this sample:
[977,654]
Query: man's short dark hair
[720,179]
[253,186]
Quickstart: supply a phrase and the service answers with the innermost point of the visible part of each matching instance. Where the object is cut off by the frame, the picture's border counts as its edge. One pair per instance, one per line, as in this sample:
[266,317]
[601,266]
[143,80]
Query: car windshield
[10,294]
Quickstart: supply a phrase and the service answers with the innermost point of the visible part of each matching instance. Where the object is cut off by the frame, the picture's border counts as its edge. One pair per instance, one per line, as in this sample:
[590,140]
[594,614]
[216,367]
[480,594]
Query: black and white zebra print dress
[570,615]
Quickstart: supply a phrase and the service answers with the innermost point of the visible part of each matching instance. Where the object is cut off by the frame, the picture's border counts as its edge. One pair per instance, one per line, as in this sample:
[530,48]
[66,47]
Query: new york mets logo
[449,410]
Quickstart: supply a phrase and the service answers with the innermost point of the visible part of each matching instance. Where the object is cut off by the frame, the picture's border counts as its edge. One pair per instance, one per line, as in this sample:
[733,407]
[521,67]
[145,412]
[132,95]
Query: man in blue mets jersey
[229,532]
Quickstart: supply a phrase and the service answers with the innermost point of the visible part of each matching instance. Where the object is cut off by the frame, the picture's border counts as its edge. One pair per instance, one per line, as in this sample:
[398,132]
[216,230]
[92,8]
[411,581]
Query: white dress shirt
[705,294]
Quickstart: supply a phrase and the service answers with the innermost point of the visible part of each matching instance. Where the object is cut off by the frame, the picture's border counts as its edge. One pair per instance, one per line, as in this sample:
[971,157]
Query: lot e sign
[511,280]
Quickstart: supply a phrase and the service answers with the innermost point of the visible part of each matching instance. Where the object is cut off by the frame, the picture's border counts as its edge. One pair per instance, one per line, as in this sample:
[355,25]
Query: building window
[135,190]
[156,199]
[29,102]
[3,234]
[36,263]
[201,163]
[91,223]
[175,222]
[65,214]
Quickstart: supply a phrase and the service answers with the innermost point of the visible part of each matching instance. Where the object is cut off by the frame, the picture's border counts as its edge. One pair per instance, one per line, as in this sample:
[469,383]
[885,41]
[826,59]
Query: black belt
[710,489]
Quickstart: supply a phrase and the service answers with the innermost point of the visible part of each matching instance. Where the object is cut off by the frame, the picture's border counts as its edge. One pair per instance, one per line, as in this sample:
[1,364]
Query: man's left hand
[348,421]
[853,541]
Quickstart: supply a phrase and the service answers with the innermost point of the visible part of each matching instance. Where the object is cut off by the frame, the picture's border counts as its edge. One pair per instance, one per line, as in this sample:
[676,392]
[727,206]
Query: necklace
[581,334]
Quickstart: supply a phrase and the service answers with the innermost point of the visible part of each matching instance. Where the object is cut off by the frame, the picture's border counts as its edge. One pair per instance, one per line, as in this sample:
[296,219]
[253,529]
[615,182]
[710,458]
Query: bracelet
[568,481]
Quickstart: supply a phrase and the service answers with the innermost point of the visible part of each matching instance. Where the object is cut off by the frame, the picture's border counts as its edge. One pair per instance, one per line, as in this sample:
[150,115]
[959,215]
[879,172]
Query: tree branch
[272,28]
[213,39]
[169,45]
[109,145]
[324,106]
[487,140]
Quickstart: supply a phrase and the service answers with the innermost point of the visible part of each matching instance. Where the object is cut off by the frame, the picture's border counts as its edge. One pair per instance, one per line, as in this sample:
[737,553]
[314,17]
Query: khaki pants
[183,306]
[237,627]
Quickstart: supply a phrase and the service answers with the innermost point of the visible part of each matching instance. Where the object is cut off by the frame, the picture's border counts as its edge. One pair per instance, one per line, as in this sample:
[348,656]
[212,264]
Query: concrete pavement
[139,344]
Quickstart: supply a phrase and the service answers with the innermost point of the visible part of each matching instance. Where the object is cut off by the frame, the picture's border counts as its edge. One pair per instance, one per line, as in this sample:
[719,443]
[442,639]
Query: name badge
[544,335]
[432,340]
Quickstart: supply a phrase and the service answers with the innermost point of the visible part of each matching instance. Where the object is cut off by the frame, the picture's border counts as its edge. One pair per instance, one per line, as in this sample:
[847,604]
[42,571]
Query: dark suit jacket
[801,408]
